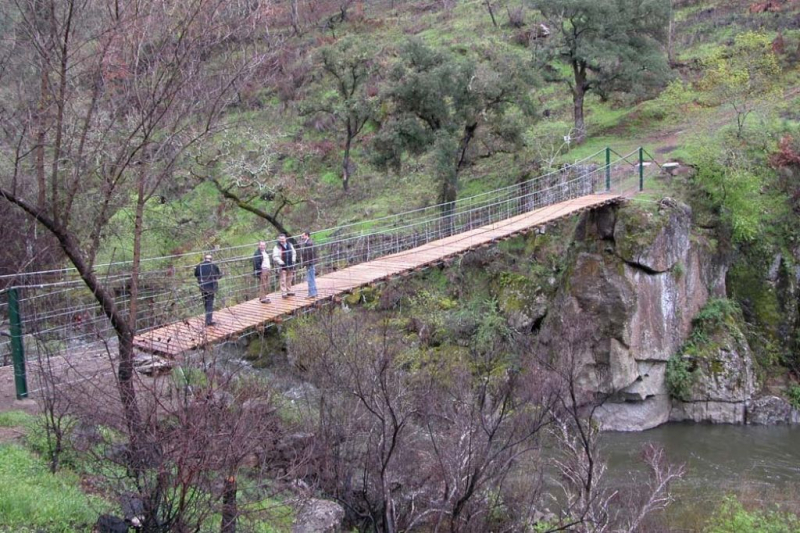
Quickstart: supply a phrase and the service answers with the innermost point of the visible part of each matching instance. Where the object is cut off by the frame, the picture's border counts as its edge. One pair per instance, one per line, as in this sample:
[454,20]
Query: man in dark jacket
[261,269]
[207,274]
[308,259]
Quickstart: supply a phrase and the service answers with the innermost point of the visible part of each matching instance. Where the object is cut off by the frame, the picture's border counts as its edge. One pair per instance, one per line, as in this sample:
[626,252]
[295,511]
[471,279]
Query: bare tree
[124,90]
[364,418]
[56,404]
[657,494]
[206,428]
[480,429]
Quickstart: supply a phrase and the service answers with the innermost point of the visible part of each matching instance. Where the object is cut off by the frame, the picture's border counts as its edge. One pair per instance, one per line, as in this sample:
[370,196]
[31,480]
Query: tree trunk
[137,249]
[580,125]
[41,127]
[670,39]
[229,507]
[671,35]
[346,161]
[491,12]
[106,300]
[58,216]
[295,17]
[578,95]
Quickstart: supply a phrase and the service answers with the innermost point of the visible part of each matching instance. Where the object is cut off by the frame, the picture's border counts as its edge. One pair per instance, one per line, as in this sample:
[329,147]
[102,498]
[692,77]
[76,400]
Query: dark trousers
[208,302]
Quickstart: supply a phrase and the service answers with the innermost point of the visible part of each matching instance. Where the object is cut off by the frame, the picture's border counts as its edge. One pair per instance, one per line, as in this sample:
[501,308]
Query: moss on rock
[266,348]
[637,228]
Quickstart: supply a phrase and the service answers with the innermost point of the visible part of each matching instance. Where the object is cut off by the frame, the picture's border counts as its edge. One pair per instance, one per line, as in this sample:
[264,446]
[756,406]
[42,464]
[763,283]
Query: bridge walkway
[174,339]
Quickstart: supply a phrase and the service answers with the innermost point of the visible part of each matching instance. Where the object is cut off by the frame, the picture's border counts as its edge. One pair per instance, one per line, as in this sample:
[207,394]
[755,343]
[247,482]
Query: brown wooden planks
[174,339]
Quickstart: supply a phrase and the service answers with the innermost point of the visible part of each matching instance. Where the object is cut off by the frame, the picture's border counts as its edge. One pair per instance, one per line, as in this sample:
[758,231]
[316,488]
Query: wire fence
[60,315]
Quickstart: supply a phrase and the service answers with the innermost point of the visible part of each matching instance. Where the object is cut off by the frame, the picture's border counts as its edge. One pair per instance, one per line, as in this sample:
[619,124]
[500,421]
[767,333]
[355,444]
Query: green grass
[33,499]
[732,517]
[15,419]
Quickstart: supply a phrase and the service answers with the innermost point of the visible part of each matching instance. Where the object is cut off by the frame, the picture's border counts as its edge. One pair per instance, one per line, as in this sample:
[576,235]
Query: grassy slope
[200,219]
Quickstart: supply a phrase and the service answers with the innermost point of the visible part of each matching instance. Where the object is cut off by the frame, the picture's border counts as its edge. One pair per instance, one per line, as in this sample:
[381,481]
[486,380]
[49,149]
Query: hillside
[301,151]
[468,396]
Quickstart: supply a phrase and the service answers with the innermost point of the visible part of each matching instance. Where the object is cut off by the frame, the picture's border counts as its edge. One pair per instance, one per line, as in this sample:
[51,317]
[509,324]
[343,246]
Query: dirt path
[667,140]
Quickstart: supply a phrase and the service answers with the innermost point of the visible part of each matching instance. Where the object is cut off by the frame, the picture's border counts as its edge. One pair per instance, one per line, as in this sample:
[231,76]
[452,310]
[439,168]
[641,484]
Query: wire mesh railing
[59,314]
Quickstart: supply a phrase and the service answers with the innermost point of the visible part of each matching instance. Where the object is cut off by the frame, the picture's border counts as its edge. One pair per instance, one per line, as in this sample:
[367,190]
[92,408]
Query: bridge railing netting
[59,314]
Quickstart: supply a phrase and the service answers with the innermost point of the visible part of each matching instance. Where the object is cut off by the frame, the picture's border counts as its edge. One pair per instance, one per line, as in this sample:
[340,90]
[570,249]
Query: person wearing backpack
[285,257]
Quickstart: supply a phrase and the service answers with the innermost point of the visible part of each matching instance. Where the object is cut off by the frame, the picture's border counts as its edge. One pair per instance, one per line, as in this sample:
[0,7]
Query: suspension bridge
[52,312]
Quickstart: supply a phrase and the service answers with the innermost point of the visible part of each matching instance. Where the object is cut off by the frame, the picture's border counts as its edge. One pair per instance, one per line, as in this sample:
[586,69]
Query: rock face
[637,278]
[723,381]
[319,516]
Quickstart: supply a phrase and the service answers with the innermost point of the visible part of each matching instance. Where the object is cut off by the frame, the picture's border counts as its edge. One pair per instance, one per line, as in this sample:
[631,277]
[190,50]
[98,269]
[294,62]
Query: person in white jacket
[284,256]
[261,267]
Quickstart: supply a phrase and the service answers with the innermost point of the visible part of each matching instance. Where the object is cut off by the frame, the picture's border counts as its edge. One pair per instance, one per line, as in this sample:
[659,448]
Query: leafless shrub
[55,402]
[206,430]
[428,449]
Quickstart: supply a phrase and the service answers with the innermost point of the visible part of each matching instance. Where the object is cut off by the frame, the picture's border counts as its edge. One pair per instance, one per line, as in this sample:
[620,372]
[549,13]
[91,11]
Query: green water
[759,464]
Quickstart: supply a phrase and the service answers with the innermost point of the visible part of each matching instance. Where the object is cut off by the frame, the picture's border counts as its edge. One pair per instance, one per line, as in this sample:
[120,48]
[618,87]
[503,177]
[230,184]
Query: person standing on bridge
[207,274]
[261,269]
[308,259]
[285,258]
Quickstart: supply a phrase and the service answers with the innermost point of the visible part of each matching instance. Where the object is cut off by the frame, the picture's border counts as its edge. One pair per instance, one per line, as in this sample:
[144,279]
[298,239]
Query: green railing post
[641,168]
[608,168]
[17,349]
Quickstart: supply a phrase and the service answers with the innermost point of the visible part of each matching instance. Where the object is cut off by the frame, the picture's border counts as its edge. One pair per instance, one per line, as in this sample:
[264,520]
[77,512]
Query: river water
[759,464]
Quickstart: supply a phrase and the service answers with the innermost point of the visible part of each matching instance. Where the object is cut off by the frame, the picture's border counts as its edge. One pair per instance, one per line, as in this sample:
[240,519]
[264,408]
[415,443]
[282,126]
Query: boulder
[522,301]
[85,435]
[304,392]
[319,516]
[723,379]
[771,410]
[107,523]
[634,416]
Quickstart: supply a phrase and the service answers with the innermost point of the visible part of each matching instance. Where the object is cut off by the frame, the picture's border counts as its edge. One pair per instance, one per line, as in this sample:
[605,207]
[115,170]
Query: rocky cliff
[638,276]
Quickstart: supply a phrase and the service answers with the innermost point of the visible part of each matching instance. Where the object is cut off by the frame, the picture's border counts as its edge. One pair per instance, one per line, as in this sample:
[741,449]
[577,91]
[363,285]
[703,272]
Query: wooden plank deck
[176,338]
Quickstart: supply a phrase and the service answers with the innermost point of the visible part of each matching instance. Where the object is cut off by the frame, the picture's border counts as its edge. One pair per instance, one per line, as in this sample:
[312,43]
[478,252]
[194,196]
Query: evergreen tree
[347,66]
[608,45]
[438,101]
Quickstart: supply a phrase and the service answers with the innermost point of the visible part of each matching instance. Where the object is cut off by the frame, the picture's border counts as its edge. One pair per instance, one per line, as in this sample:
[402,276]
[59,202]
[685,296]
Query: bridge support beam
[641,168]
[17,347]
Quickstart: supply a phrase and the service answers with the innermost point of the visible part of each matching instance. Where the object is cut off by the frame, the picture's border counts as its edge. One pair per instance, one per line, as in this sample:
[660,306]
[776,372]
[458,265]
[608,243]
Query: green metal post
[608,168]
[641,168]
[17,349]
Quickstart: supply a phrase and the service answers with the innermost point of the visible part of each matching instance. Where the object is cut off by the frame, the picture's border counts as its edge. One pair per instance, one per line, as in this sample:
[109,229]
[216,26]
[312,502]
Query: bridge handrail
[180,292]
[435,207]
